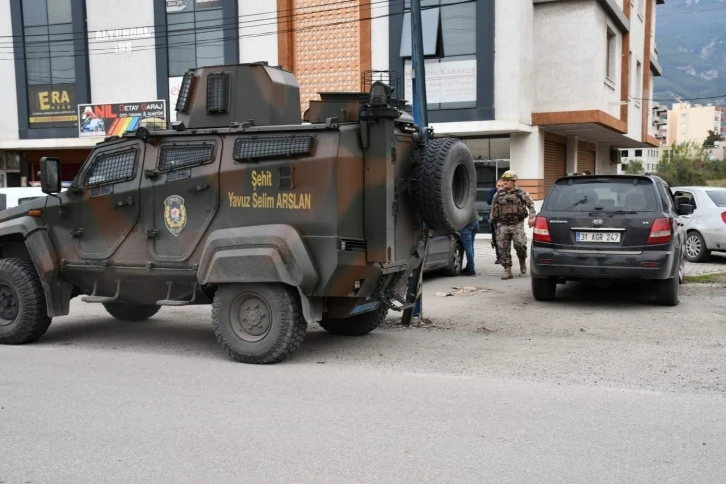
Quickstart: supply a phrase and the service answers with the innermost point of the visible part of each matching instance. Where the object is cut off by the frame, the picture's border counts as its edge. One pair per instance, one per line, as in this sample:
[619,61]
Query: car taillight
[723,217]
[541,231]
[660,232]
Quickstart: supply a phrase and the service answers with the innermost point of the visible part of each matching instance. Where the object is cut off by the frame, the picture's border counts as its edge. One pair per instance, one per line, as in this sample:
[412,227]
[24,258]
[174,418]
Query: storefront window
[449,38]
[50,63]
[195,34]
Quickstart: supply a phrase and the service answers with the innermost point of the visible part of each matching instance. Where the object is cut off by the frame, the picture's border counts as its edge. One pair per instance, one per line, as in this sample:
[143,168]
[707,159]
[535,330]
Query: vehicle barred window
[111,167]
[178,156]
[263,148]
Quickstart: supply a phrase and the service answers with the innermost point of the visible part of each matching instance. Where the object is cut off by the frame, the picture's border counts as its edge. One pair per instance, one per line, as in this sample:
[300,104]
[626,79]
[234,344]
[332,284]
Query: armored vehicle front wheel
[258,323]
[130,312]
[356,325]
[23,312]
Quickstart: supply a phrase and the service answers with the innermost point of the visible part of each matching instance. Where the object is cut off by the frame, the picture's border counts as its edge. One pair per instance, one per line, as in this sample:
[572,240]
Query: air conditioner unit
[616,156]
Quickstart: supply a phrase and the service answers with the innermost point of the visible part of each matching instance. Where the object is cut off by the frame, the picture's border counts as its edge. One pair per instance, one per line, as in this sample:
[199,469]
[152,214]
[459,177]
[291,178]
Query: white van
[14,196]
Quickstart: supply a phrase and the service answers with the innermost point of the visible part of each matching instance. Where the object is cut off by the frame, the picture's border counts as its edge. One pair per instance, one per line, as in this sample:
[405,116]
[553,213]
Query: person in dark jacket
[492,226]
[468,234]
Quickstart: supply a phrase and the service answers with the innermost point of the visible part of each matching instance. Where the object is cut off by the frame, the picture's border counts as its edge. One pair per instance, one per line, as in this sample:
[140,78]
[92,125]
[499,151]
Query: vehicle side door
[688,197]
[108,208]
[180,194]
[670,207]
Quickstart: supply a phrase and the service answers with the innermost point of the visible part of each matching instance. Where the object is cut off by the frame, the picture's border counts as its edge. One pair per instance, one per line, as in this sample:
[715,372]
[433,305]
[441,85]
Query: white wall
[130,74]
[257,18]
[514,75]
[566,61]
[527,154]
[8,94]
[379,37]
[602,163]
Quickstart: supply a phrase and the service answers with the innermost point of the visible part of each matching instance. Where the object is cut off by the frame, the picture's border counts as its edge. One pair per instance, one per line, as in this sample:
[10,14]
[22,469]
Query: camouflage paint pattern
[349,218]
[508,235]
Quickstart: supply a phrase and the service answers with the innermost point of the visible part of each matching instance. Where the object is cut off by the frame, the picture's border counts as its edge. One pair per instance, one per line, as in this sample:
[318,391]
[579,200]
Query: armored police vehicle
[276,221]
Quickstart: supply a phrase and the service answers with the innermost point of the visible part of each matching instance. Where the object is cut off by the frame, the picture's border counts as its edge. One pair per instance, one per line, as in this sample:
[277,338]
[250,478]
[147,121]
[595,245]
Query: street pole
[420,116]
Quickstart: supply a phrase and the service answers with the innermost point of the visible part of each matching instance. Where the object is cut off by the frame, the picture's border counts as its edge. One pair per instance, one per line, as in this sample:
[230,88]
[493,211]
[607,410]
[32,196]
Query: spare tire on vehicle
[446,184]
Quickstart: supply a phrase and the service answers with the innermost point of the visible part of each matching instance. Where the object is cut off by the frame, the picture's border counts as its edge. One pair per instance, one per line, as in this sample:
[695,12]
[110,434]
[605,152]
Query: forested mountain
[691,40]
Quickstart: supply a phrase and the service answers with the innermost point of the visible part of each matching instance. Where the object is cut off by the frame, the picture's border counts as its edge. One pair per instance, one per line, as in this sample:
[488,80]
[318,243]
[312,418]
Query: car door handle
[198,188]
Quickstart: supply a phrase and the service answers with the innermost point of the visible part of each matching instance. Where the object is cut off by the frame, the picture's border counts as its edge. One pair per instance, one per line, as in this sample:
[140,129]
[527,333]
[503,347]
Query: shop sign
[99,120]
[174,86]
[446,82]
[52,106]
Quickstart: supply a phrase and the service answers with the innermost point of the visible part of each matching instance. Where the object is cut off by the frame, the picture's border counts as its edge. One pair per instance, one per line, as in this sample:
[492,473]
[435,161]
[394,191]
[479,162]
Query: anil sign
[100,120]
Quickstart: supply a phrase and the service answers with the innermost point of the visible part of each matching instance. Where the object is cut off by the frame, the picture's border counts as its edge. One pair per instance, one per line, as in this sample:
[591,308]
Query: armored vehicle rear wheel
[356,325]
[258,323]
[446,184]
[130,312]
[23,312]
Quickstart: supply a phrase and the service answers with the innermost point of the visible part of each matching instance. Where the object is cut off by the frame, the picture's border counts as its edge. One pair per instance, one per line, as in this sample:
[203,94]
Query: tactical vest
[511,208]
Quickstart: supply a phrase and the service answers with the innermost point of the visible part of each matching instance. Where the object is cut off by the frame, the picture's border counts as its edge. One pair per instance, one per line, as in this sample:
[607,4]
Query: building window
[638,153]
[610,59]
[449,44]
[195,34]
[683,115]
[50,67]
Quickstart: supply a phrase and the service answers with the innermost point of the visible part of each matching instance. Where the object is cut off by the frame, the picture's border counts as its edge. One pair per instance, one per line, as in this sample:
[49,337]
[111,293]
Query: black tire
[23,311]
[446,185]
[456,260]
[357,325]
[130,312]
[666,292]
[276,327]
[543,289]
[696,250]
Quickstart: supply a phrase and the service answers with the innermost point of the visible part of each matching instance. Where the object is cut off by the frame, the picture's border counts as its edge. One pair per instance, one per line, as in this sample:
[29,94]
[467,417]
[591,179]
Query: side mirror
[50,181]
[685,209]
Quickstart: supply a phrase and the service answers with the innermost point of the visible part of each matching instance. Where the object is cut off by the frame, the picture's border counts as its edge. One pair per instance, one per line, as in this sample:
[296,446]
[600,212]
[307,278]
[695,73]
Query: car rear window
[482,195]
[598,194]
[717,196]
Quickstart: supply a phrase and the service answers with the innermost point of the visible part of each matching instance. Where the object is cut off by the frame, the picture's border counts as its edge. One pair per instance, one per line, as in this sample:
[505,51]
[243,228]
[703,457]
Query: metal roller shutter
[555,158]
[585,161]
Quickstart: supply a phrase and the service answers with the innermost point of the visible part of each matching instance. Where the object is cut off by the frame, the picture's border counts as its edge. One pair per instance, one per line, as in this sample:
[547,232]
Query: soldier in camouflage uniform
[509,209]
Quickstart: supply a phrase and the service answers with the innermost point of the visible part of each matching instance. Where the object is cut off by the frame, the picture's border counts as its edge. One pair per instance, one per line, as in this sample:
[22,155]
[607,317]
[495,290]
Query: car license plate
[597,236]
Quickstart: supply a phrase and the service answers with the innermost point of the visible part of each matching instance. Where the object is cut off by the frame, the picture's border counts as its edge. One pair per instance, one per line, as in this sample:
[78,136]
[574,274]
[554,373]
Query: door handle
[198,188]
[129,201]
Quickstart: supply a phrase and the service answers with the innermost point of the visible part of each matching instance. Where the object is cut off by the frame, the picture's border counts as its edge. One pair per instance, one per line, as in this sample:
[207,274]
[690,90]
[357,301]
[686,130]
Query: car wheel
[258,323]
[696,250]
[23,312]
[666,292]
[543,289]
[456,260]
[358,325]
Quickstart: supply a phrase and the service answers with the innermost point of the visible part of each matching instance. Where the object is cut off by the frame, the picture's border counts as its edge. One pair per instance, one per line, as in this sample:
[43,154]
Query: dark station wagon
[605,228]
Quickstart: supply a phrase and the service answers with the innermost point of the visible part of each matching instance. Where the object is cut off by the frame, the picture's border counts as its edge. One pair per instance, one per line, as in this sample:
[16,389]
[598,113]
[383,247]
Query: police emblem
[175,214]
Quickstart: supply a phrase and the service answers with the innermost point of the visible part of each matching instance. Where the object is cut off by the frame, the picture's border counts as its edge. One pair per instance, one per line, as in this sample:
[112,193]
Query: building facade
[543,87]
[687,122]
[648,158]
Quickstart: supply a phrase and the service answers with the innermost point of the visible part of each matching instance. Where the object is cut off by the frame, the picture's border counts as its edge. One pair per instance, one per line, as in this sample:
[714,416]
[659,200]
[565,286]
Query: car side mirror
[50,181]
[685,209]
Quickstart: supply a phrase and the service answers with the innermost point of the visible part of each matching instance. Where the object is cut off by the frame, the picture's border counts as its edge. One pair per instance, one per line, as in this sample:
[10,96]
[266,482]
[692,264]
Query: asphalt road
[600,386]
